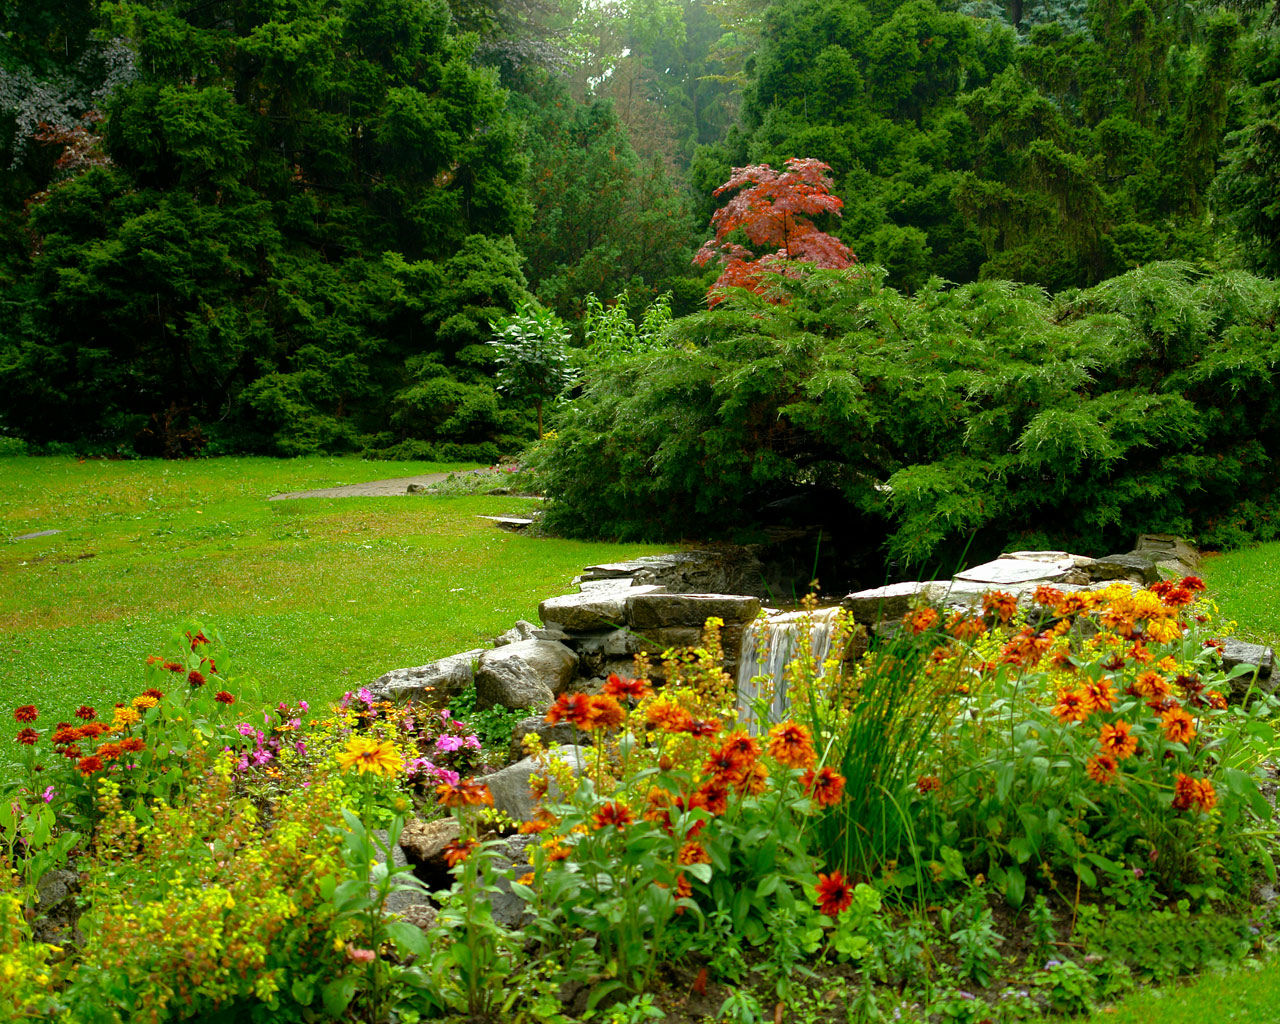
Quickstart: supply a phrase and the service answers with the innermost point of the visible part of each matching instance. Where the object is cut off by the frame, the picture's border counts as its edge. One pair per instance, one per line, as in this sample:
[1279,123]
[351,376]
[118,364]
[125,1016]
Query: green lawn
[1246,586]
[313,596]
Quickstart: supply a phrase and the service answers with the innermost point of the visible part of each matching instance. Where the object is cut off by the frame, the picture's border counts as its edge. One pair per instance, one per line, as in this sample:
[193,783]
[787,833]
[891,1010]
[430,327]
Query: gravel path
[373,489]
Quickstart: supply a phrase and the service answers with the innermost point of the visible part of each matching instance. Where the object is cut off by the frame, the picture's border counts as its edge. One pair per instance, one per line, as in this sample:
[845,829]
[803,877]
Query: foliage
[773,209]
[983,415]
[532,358]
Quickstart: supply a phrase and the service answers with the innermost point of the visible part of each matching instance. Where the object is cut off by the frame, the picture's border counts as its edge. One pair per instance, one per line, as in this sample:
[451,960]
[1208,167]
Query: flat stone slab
[892,601]
[513,523]
[591,610]
[1133,565]
[38,533]
[622,583]
[1238,652]
[652,611]
[1005,572]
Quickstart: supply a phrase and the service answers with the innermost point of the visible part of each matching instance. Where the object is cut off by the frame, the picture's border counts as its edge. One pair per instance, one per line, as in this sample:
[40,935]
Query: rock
[445,678]
[1049,567]
[730,570]
[645,612]
[522,630]
[892,601]
[55,887]
[1238,652]
[561,733]
[558,635]
[1138,567]
[508,908]
[512,523]
[599,586]
[617,643]
[38,533]
[592,610]
[510,785]
[525,674]
[421,915]
[416,489]
[1172,554]
[424,841]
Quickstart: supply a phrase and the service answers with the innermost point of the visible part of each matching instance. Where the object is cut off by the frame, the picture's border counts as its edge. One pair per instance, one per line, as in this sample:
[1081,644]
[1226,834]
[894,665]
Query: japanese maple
[773,209]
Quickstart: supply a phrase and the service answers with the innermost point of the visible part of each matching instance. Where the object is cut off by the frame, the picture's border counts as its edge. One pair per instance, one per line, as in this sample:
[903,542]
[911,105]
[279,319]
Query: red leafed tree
[773,209]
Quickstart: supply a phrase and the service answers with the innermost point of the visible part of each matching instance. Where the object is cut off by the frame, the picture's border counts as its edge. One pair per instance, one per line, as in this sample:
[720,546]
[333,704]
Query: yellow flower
[125,716]
[367,754]
[144,701]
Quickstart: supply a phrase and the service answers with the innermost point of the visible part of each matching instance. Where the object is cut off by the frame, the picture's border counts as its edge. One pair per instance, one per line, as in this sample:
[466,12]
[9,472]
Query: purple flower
[245,729]
[364,694]
[261,757]
[300,747]
[47,796]
[304,705]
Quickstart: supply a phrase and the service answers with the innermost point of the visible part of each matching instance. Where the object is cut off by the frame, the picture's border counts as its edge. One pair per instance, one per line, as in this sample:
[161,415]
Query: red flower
[172,666]
[86,713]
[222,697]
[616,686]
[791,745]
[927,784]
[198,639]
[196,678]
[701,728]
[574,708]
[1002,604]
[615,813]
[834,893]
[455,853]
[1193,583]
[157,694]
[465,794]
[26,713]
[27,736]
[133,744]
[89,765]
[825,787]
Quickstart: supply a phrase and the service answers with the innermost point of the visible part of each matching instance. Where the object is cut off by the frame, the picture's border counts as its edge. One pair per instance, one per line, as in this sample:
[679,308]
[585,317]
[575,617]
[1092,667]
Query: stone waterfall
[769,645]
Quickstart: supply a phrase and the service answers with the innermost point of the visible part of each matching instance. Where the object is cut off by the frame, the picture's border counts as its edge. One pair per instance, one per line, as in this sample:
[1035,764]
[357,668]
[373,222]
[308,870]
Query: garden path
[373,488]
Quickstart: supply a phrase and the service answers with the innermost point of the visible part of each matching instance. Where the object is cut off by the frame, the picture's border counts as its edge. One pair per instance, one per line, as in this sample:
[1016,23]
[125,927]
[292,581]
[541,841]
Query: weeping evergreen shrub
[991,411]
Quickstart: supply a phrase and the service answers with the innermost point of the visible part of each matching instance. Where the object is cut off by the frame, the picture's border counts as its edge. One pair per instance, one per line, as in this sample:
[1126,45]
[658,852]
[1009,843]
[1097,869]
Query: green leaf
[338,994]
[408,938]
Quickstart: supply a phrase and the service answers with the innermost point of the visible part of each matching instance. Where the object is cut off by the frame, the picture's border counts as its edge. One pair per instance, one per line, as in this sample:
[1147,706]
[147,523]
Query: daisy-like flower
[465,794]
[1193,583]
[196,678]
[1047,596]
[791,745]
[142,702]
[1101,768]
[574,708]
[927,784]
[26,713]
[1115,739]
[367,754]
[1000,604]
[1072,706]
[133,745]
[27,736]
[634,689]
[153,692]
[724,768]
[89,765]
[1151,685]
[921,619]
[86,713]
[172,666]
[109,751]
[1099,696]
[455,853]
[964,627]
[666,715]
[834,893]
[704,728]
[119,719]
[1216,700]
[222,697]
[825,787]
[693,852]
[606,712]
[613,814]
[713,796]
[1189,792]
[1179,727]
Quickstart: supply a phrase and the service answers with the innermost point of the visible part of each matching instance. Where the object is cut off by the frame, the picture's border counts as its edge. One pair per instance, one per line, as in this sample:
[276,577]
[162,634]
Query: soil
[397,486]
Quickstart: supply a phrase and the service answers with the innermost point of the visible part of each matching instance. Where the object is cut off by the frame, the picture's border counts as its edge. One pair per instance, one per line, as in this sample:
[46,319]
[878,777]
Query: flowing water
[768,646]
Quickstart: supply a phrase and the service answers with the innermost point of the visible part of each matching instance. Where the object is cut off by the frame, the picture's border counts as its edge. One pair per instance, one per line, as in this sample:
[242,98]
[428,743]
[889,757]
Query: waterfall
[768,646]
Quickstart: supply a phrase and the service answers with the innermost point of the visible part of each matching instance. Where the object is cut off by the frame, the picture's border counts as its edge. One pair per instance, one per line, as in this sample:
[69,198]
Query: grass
[1246,585]
[314,596]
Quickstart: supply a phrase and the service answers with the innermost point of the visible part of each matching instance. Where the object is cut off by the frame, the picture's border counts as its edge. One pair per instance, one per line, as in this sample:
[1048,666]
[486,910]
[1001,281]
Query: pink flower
[304,705]
[364,694]
[47,796]
[360,956]
[261,757]
[245,729]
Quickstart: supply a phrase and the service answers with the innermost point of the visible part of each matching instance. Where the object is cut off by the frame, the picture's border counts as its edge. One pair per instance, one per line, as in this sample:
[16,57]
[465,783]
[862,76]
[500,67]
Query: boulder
[424,841]
[1140,568]
[561,733]
[645,612]
[409,891]
[892,601]
[510,785]
[1047,567]
[1172,554]
[445,678]
[591,610]
[526,674]
[1238,652]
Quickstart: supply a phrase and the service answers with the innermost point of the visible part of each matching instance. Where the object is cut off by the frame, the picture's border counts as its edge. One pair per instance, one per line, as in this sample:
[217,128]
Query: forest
[298,226]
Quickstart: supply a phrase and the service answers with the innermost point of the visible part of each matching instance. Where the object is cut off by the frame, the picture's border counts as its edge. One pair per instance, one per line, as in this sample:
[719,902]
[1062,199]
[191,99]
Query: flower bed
[986,815]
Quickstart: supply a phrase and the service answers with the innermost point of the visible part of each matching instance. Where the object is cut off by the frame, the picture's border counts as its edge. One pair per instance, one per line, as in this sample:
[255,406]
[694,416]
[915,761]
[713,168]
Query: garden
[1017,813]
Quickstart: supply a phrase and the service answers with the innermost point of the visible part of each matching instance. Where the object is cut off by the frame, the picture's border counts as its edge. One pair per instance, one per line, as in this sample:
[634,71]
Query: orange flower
[1072,706]
[109,751]
[825,787]
[684,890]
[714,796]
[616,686]
[1193,583]
[26,713]
[89,765]
[456,852]
[927,784]
[614,814]
[963,627]
[1001,604]
[1189,793]
[465,794]
[790,745]
[575,708]
[1048,596]
[133,745]
[1151,685]
[693,853]
[1116,741]
[1025,648]
[1102,768]
[921,619]
[834,893]
[741,746]
[1099,696]
[606,712]
[755,780]
[1216,700]
[668,716]
[1179,727]
[704,728]
[724,768]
